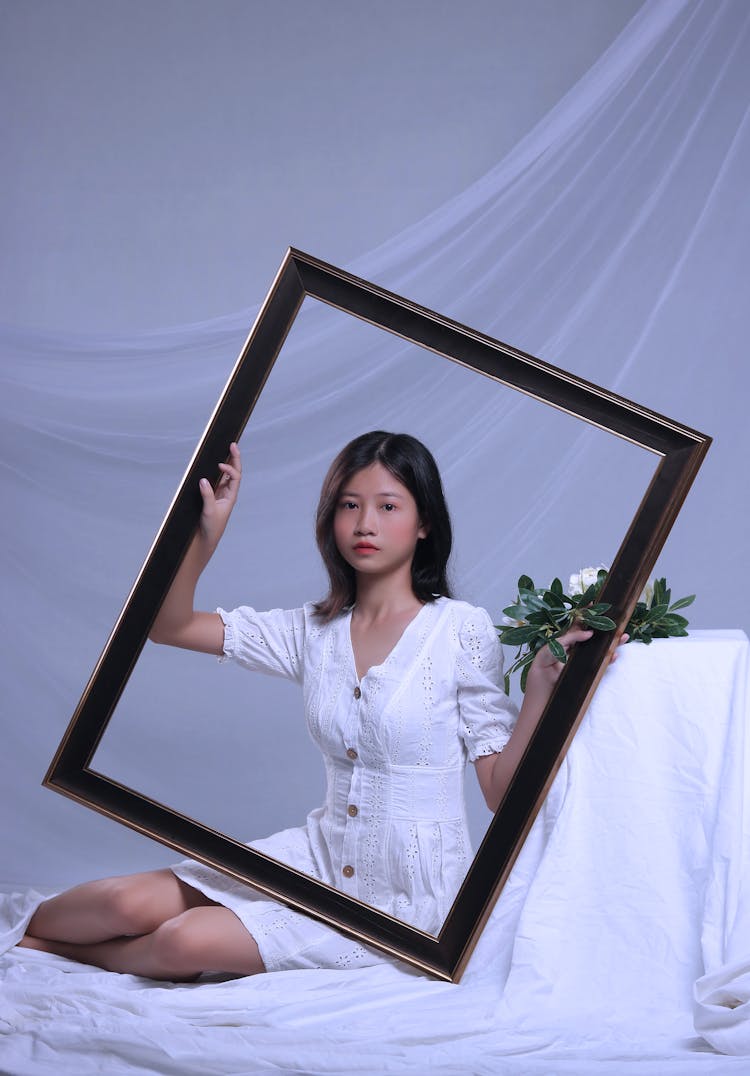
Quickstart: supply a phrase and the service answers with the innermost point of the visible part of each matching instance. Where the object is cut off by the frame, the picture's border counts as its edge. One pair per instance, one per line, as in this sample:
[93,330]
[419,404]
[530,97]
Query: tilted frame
[681,450]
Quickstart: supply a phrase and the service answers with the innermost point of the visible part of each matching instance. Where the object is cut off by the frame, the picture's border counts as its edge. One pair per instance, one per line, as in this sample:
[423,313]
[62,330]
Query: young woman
[401,686]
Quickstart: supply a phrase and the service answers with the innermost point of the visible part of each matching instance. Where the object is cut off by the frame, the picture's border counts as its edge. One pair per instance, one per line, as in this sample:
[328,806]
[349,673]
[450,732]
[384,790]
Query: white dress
[393,831]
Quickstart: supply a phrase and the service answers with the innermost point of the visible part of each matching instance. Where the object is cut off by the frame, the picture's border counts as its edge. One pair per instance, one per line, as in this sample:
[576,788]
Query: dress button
[348,871]
[357,692]
[351,753]
[352,810]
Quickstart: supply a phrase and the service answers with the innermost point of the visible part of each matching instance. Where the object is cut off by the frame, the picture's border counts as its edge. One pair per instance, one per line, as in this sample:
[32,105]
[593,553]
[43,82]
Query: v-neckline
[391,652]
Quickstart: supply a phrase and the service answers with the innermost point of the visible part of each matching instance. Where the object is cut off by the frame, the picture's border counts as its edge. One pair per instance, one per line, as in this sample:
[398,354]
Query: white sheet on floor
[626,891]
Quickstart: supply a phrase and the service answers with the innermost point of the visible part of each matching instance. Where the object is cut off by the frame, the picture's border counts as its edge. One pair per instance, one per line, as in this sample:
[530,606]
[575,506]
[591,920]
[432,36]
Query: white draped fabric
[629,884]
[611,241]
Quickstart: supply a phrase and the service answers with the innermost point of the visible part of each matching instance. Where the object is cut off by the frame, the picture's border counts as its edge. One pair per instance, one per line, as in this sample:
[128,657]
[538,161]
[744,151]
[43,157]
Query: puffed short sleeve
[486,714]
[271,642]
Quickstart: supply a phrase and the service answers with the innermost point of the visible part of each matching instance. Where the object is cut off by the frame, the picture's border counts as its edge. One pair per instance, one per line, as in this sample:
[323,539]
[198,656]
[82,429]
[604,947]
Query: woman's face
[376,525]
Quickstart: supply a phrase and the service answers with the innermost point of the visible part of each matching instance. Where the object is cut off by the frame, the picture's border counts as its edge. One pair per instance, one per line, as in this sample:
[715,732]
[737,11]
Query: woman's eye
[348,504]
[389,507]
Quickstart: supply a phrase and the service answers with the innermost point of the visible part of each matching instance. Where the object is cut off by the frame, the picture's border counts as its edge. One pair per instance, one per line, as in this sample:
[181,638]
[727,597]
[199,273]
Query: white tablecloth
[630,888]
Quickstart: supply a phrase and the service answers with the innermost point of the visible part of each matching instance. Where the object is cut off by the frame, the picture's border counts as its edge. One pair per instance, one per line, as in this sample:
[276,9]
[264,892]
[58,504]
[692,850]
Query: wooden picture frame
[681,450]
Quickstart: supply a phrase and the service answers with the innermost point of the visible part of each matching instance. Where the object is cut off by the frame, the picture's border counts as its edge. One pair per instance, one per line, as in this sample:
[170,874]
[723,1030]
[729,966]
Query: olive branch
[540,615]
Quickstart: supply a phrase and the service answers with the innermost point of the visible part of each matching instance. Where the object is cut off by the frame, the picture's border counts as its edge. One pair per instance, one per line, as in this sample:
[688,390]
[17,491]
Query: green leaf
[656,612]
[659,596]
[556,587]
[558,650]
[517,636]
[682,603]
[525,583]
[598,623]
[539,616]
[531,600]
[522,662]
[516,612]
[553,599]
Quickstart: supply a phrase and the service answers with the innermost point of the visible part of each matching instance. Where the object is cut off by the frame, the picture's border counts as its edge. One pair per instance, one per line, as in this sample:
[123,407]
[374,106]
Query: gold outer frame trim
[681,450]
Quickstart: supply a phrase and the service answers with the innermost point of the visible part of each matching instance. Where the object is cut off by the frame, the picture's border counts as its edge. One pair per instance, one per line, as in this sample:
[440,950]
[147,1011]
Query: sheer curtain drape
[612,241]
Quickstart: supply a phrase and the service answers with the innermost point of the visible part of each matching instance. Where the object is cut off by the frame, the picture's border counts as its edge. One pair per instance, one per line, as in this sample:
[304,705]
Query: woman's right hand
[177,622]
[218,503]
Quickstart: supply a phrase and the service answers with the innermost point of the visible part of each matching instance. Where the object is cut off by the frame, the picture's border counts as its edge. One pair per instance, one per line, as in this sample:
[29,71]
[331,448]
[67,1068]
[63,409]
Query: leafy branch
[540,615]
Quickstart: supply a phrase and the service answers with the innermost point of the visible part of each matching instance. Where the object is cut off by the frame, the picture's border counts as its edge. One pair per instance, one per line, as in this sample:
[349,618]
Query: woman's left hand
[546,669]
[495,772]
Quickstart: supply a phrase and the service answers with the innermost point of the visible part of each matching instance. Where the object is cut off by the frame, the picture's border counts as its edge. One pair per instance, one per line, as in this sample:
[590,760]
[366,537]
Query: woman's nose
[366,521]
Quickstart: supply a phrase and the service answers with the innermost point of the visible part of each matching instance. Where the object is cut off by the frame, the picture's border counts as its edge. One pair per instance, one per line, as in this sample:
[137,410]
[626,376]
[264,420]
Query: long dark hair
[414,466]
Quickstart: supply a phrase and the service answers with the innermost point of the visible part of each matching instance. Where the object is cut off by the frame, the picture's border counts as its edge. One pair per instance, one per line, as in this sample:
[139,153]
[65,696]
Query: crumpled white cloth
[722,1007]
[722,994]
[627,887]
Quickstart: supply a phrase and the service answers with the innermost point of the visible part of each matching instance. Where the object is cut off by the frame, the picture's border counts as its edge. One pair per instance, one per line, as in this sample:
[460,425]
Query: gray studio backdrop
[569,177]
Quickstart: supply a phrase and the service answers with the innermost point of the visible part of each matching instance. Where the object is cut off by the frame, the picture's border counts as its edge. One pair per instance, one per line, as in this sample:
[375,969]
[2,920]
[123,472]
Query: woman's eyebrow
[383,493]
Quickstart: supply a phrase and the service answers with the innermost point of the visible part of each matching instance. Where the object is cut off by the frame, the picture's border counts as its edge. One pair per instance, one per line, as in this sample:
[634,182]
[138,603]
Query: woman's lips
[365,547]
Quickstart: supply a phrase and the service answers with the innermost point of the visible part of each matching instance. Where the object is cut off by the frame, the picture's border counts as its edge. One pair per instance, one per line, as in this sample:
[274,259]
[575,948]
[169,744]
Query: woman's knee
[126,904]
[139,903]
[178,946]
[205,940]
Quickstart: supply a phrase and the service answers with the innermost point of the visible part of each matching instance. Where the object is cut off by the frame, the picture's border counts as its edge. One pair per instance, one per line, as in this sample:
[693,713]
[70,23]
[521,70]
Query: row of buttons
[351,753]
[352,810]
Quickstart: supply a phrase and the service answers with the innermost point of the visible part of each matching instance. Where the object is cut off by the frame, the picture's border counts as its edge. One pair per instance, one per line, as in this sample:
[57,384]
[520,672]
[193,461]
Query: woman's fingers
[568,641]
[579,635]
[624,638]
[208,513]
[575,635]
[218,501]
[231,473]
[231,469]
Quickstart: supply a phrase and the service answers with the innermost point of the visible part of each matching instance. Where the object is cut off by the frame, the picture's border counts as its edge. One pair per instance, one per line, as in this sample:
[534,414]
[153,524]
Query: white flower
[586,577]
[583,579]
[509,622]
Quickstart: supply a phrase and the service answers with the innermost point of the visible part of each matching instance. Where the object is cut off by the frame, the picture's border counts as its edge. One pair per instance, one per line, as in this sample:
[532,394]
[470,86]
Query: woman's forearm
[496,771]
[178,608]
[506,763]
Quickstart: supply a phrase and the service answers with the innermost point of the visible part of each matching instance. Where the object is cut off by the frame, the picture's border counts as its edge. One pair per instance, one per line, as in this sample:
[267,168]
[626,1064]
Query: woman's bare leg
[199,939]
[150,924]
[113,907]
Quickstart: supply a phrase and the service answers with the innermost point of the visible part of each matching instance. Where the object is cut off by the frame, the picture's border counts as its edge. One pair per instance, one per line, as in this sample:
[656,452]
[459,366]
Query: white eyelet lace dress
[393,831]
